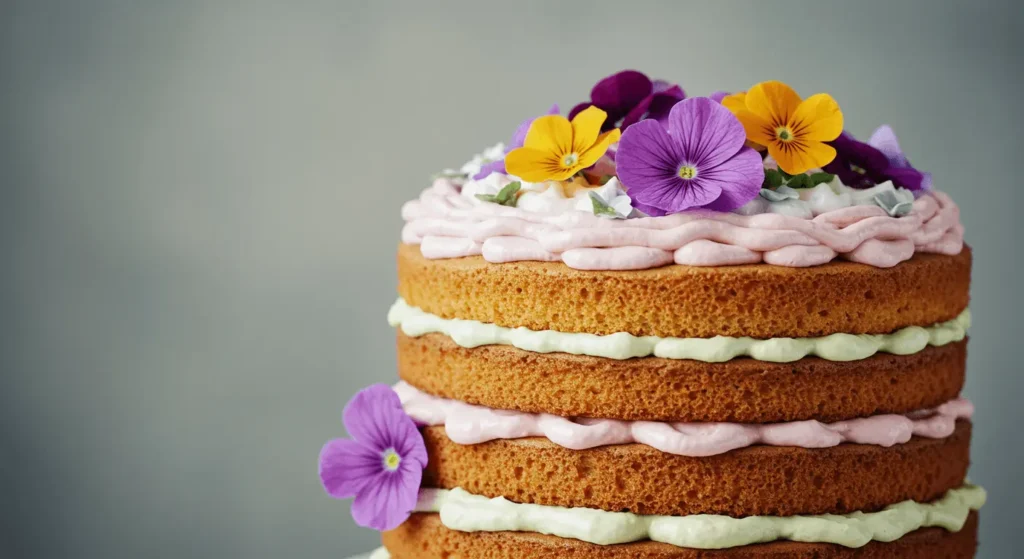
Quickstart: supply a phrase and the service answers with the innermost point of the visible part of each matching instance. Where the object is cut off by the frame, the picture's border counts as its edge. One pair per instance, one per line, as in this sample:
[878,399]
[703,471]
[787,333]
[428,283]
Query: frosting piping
[465,512]
[469,424]
[446,225]
[621,345]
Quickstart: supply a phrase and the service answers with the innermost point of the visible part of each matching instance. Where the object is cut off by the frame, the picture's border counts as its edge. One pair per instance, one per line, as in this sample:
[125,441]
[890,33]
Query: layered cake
[673,327]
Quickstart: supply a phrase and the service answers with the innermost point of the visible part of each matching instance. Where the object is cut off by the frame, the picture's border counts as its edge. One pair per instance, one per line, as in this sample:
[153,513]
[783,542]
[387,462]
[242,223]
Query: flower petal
[909,178]
[884,140]
[739,179]
[800,157]
[533,165]
[347,466]
[586,127]
[735,102]
[388,501]
[772,101]
[673,194]
[618,93]
[708,133]
[593,154]
[758,130]
[817,118]
[719,96]
[551,134]
[371,413]
[519,137]
[488,168]
[646,155]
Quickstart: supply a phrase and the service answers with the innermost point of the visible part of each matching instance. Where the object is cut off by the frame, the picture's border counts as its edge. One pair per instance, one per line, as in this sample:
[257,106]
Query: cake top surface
[642,176]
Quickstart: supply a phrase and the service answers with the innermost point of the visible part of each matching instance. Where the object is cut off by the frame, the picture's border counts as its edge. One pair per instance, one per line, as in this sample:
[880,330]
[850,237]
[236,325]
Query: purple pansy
[699,161]
[629,97]
[718,96]
[863,165]
[517,141]
[382,465]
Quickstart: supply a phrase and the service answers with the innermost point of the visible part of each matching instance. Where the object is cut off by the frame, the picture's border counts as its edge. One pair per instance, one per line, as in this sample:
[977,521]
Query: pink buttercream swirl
[447,225]
[469,424]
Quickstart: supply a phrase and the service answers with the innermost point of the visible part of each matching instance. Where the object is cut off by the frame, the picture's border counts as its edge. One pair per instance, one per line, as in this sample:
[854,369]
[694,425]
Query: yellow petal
[773,101]
[534,165]
[818,118]
[797,157]
[585,128]
[735,102]
[604,141]
[759,130]
[551,134]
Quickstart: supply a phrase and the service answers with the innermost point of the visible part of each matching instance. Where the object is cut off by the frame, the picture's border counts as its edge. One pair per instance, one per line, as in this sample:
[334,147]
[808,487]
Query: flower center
[784,133]
[687,172]
[570,160]
[391,459]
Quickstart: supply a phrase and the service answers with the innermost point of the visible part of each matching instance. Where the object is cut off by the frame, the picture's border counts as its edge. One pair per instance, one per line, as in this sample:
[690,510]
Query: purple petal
[909,178]
[708,133]
[635,115]
[884,140]
[492,167]
[663,102]
[372,415]
[649,210]
[388,501]
[674,194]
[347,466]
[646,155]
[851,155]
[718,96]
[621,92]
[739,179]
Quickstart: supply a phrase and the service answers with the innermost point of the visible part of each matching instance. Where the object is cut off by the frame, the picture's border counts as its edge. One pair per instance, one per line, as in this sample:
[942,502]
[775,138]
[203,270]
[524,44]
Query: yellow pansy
[793,130]
[556,149]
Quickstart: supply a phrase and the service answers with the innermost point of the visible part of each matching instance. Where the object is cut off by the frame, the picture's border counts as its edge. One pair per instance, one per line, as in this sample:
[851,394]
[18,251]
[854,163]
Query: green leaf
[785,175]
[799,181]
[505,197]
[601,208]
[821,178]
[772,179]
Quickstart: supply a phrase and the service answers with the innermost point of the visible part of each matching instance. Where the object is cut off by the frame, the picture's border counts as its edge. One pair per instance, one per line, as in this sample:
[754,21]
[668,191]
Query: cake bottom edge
[423,536]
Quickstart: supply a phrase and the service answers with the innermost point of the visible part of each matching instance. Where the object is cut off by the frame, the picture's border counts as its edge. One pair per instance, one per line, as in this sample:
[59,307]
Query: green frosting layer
[836,347]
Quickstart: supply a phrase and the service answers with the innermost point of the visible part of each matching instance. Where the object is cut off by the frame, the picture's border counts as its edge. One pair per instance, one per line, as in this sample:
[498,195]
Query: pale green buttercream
[836,347]
[465,512]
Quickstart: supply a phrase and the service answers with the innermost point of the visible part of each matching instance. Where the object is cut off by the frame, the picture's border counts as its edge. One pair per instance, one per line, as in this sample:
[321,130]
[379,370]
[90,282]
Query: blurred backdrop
[201,208]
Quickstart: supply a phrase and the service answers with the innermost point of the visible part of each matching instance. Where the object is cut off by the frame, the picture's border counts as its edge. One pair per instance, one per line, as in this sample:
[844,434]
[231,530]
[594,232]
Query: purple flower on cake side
[381,466]
[517,141]
[629,97]
[863,165]
[698,162]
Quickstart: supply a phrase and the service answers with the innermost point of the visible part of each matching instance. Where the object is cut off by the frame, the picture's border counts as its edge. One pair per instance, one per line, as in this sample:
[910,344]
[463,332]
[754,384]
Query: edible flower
[793,130]
[863,165]
[630,96]
[498,165]
[556,149]
[699,161]
[381,466]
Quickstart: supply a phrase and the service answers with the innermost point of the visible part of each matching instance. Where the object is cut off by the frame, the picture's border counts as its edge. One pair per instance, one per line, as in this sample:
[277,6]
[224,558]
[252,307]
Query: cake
[673,327]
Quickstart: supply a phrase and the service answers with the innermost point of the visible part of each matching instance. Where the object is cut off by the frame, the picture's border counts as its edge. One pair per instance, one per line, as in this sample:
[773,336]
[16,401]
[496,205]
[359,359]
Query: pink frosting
[468,424]
[447,225]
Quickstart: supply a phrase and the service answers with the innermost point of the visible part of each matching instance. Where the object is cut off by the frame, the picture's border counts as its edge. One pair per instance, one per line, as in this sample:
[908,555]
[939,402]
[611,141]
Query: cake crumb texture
[654,389]
[759,480]
[760,301]
[424,537]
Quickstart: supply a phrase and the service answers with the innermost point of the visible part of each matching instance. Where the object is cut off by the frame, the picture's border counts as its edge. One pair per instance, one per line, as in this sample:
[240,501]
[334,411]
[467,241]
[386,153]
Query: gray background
[201,203]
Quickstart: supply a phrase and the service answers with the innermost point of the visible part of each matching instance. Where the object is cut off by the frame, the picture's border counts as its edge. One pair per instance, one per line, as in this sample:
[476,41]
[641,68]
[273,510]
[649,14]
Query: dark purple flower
[698,162]
[629,97]
[517,141]
[381,466]
[863,165]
